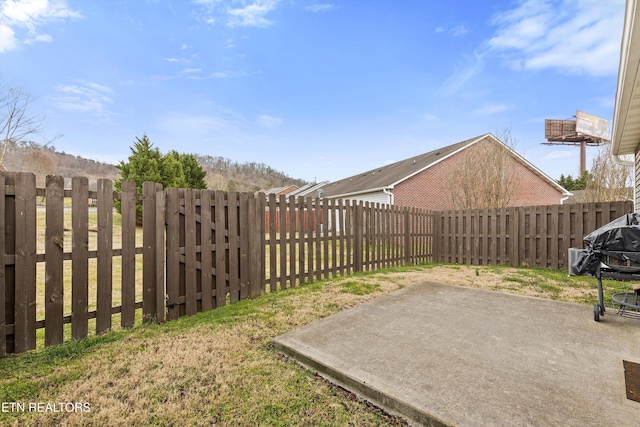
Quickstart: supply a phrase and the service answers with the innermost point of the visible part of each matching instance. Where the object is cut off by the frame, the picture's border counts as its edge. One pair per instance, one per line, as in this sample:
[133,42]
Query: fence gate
[214,249]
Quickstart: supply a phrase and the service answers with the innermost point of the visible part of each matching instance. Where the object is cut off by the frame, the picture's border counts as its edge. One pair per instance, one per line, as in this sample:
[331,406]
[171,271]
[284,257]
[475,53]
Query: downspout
[390,194]
[617,158]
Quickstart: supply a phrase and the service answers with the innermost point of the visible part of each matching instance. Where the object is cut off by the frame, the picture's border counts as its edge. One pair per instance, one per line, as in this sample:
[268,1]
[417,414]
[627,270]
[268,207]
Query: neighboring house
[419,181]
[626,115]
[277,191]
[312,190]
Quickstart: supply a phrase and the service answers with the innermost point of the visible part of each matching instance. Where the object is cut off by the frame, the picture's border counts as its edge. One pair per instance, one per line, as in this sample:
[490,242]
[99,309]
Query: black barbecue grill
[613,252]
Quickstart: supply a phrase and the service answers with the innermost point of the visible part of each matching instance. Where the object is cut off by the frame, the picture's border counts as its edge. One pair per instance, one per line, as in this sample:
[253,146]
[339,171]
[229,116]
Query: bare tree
[485,176]
[608,181]
[17,122]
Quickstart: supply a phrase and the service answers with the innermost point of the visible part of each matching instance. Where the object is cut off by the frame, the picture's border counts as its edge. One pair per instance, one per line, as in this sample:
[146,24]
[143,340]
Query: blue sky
[321,89]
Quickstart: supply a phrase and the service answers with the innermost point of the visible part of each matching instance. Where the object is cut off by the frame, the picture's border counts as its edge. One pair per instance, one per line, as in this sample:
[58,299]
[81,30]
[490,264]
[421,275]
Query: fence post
[54,248]
[128,281]
[79,258]
[104,298]
[407,235]
[3,276]
[160,254]
[358,223]
[514,237]
[149,280]
[25,262]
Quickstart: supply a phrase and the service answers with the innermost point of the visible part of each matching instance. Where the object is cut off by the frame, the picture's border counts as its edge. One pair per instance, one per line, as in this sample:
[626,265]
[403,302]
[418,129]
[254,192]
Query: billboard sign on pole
[591,125]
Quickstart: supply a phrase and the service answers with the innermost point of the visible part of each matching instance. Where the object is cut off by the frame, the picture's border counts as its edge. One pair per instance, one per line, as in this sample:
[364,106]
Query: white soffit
[626,118]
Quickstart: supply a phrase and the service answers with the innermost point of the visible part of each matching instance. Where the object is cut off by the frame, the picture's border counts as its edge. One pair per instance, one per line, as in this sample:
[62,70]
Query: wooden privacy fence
[67,269]
[535,236]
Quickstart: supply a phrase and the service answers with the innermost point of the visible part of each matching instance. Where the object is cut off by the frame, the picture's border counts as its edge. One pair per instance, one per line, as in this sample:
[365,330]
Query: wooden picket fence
[196,251]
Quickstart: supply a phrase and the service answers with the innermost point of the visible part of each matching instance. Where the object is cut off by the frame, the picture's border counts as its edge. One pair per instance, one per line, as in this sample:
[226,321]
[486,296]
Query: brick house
[419,181]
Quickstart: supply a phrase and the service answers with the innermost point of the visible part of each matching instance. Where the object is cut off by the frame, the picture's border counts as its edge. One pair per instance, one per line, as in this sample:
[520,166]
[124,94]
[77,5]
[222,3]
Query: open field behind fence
[71,270]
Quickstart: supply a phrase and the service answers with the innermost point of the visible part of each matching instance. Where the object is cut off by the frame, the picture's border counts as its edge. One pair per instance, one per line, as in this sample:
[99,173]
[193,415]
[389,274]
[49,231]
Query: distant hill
[222,173]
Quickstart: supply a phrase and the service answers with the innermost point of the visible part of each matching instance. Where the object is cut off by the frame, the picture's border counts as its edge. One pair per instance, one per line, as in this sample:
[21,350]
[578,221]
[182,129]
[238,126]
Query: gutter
[391,197]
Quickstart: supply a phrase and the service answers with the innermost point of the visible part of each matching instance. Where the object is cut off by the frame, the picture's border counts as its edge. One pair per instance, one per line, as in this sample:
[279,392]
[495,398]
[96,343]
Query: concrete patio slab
[448,355]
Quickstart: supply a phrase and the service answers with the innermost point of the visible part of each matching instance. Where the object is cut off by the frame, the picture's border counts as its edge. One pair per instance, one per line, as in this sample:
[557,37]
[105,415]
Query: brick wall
[427,190]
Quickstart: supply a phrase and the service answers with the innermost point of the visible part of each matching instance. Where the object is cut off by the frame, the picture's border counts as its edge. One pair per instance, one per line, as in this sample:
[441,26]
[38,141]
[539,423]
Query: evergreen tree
[146,163]
[192,172]
[572,184]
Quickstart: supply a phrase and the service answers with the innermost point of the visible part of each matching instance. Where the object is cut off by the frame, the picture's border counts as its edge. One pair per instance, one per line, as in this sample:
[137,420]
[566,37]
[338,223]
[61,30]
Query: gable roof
[386,177]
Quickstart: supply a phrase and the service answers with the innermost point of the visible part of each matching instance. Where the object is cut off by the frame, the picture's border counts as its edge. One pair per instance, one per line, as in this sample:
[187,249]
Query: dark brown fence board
[191,300]
[105,261]
[334,238]
[172,214]
[552,232]
[244,245]
[149,281]
[302,230]
[291,242]
[261,250]
[206,250]
[273,284]
[309,239]
[341,230]
[128,257]
[234,246]
[159,259]
[4,302]
[255,275]
[10,267]
[79,258]
[282,241]
[325,237]
[221,251]
[25,262]
[54,249]
[318,238]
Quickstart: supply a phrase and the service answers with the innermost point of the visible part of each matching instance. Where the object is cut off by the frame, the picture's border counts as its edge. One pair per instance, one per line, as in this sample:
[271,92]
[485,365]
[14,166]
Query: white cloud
[252,15]
[576,37]
[439,29]
[27,16]
[8,40]
[87,97]
[269,121]
[430,117]
[320,7]
[462,73]
[237,13]
[488,109]
[458,30]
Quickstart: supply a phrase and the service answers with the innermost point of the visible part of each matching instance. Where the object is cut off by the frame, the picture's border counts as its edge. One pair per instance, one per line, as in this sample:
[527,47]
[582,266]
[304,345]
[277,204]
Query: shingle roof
[386,176]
